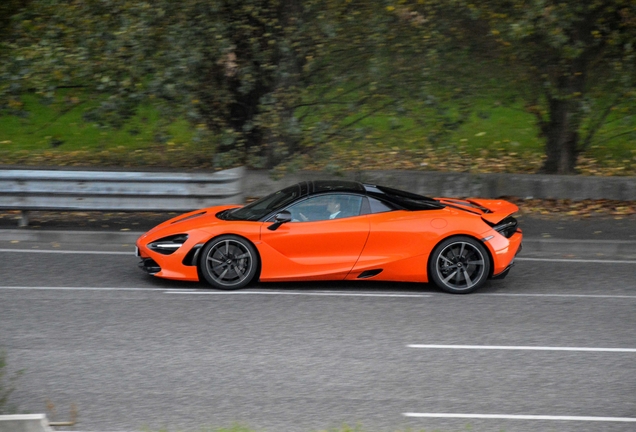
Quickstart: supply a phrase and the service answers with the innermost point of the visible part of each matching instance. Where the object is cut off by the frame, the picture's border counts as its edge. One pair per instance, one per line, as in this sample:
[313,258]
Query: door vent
[369,273]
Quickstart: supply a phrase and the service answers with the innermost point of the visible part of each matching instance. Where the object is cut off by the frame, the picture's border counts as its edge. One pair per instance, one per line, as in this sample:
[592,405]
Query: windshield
[264,206]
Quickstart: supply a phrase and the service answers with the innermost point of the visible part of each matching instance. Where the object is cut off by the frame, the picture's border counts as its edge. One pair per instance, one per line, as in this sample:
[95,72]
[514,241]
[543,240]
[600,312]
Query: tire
[228,262]
[459,265]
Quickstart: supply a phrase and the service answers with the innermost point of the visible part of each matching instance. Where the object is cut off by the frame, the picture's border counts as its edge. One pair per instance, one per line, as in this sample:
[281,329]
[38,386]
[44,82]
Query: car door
[313,246]
[399,243]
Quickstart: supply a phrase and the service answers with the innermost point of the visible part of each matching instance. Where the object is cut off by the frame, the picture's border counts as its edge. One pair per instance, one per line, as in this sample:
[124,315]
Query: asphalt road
[135,352]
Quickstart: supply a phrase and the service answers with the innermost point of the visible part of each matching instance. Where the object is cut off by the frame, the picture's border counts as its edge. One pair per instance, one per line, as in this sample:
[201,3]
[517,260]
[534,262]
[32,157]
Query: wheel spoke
[222,275]
[461,250]
[214,260]
[245,255]
[451,251]
[446,259]
[467,277]
[450,276]
[480,262]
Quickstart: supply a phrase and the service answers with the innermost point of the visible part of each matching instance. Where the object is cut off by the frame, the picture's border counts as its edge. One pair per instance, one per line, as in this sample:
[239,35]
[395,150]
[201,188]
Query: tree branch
[597,126]
[360,119]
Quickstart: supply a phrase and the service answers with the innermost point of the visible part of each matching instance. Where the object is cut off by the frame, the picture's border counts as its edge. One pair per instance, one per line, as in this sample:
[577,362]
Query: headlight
[168,245]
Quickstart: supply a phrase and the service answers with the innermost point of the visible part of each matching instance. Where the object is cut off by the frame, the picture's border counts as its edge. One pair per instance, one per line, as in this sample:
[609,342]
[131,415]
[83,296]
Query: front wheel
[459,265]
[228,262]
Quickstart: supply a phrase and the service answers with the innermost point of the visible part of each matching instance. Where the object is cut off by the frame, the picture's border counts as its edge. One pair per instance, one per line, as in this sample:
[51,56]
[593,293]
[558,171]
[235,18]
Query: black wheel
[228,262]
[459,265]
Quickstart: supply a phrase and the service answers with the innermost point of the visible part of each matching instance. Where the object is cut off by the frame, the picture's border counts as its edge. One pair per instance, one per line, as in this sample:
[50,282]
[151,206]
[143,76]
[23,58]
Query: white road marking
[296,293]
[320,293]
[528,348]
[61,251]
[558,295]
[576,260]
[132,253]
[26,288]
[172,291]
[520,417]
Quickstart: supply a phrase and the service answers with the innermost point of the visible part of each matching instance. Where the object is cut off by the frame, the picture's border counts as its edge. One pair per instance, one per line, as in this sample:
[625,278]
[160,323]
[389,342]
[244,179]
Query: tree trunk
[562,137]
[562,128]
[280,143]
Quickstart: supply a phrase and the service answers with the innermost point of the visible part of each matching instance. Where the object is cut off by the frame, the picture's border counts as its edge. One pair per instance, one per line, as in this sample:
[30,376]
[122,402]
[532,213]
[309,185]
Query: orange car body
[399,242]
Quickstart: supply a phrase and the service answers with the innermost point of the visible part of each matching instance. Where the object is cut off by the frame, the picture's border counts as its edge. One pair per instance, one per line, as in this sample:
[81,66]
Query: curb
[543,246]
[70,237]
[622,248]
[24,423]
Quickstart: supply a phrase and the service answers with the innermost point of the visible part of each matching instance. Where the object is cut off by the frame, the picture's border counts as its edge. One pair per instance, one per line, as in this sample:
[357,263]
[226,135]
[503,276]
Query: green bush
[6,385]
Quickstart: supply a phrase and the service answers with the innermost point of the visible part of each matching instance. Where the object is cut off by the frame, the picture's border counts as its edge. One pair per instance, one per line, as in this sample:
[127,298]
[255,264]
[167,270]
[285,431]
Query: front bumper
[150,266]
[180,265]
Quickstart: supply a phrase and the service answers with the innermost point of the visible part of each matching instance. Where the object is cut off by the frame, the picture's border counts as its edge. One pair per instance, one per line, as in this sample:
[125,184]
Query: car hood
[183,223]
[492,211]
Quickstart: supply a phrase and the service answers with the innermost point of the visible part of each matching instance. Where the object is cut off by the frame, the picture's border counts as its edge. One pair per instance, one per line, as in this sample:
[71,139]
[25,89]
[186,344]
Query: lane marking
[526,348]
[295,293]
[520,417]
[558,295]
[25,288]
[51,251]
[576,260]
[321,293]
[561,260]
[172,291]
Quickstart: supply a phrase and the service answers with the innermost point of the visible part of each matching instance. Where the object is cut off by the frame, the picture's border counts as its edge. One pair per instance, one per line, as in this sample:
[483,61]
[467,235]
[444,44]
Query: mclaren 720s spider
[338,230]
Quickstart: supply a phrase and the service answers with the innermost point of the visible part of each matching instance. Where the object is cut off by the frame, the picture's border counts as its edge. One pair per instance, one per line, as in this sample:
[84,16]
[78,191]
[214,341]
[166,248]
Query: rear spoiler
[498,209]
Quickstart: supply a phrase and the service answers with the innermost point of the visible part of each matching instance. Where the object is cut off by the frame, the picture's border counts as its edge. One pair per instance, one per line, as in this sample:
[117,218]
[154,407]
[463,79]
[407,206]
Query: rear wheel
[228,262]
[459,265]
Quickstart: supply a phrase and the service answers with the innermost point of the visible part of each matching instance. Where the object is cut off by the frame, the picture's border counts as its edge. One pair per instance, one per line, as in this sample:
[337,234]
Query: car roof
[323,186]
[401,198]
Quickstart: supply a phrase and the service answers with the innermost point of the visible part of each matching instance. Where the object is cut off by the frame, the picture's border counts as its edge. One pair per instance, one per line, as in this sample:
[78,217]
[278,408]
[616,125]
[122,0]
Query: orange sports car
[338,230]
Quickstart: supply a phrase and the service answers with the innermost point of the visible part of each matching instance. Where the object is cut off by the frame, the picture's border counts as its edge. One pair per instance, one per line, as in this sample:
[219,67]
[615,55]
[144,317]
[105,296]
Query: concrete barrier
[259,183]
[24,423]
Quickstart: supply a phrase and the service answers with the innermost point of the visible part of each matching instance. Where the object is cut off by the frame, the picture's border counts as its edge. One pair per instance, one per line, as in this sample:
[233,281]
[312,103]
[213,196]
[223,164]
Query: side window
[377,206]
[324,207]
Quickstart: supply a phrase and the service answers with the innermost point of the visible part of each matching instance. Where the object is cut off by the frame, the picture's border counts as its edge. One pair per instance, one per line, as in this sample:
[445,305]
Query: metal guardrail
[49,190]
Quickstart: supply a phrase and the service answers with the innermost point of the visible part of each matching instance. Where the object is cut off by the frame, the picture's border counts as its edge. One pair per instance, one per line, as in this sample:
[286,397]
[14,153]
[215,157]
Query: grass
[61,125]
[496,138]
[6,385]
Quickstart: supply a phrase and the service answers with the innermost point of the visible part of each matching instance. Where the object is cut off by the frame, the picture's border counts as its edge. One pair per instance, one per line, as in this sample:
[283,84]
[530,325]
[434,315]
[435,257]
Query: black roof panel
[321,186]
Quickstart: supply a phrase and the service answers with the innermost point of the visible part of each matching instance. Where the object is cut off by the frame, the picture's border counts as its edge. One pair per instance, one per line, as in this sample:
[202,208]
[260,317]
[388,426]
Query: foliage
[496,138]
[6,385]
[280,81]
[267,80]
[573,61]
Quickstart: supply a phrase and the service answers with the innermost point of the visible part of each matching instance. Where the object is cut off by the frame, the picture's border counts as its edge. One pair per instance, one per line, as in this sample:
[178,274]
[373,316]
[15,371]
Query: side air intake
[369,273]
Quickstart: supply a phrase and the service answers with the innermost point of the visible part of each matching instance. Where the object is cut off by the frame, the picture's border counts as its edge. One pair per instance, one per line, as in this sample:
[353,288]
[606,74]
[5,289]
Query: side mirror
[280,218]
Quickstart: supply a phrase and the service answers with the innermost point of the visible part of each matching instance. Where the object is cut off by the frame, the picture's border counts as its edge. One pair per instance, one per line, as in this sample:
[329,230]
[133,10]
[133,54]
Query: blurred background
[492,86]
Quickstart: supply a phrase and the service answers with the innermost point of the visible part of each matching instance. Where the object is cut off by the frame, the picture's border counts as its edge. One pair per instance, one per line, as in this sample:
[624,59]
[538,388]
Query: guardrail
[50,190]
